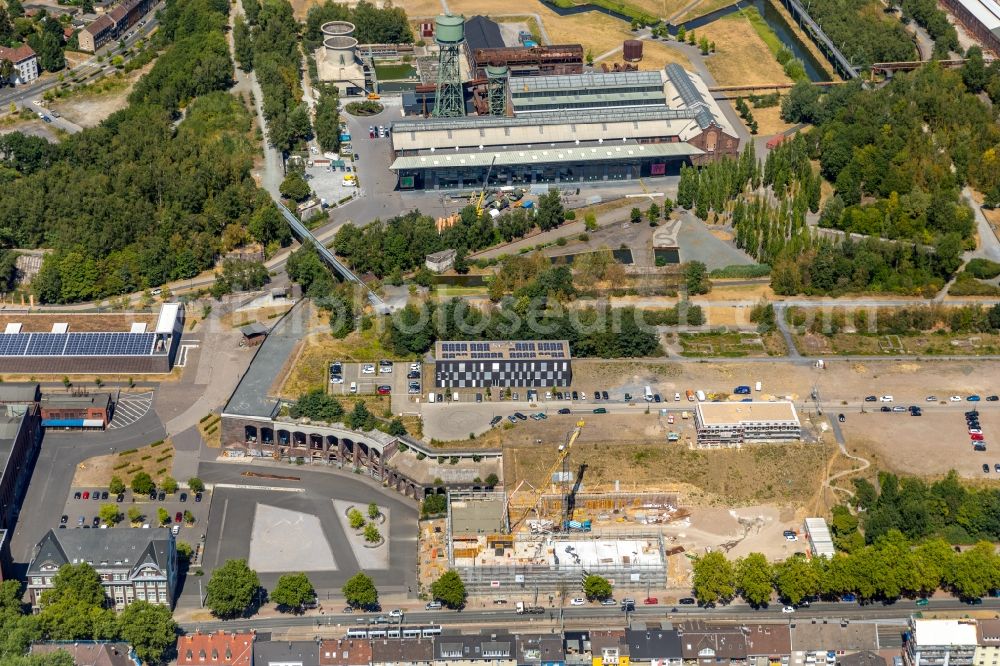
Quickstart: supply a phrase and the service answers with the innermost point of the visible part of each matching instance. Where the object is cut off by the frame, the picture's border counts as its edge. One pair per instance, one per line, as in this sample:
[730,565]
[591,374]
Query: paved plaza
[281,536]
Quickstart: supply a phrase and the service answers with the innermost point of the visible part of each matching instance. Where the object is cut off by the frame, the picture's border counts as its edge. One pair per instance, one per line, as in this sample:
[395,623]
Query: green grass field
[394,72]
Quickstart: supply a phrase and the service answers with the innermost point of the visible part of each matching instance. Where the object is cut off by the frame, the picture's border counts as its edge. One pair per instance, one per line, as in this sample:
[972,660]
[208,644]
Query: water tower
[496,89]
[449,33]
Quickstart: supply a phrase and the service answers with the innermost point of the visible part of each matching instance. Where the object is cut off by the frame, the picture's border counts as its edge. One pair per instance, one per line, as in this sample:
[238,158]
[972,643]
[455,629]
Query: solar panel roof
[77,344]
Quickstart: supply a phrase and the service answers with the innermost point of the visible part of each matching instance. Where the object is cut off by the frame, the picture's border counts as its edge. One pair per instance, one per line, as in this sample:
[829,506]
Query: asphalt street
[613,616]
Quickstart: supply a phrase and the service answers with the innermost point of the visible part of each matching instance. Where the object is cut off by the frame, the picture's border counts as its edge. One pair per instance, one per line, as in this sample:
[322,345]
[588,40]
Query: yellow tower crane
[540,490]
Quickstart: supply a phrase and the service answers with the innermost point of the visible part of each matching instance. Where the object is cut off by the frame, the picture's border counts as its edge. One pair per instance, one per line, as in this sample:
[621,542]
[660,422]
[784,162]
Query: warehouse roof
[734,413]
[482,33]
[928,633]
[986,12]
[588,81]
[564,155]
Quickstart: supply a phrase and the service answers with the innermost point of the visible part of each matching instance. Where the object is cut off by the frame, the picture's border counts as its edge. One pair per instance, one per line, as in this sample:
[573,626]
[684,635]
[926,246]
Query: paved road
[896,614]
[989,244]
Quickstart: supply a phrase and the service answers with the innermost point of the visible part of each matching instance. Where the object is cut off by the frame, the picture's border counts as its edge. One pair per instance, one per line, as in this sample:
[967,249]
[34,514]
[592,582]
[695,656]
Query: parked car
[992,398]
[922,602]
[368,369]
[183,497]
[841,418]
[564,410]
[495,420]
[104,494]
[973,398]
[384,389]
[886,398]
[96,521]
[96,495]
[986,468]
[886,408]
[576,396]
[578,601]
[600,410]
[955,398]
[162,496]
[86,495]
[931,398]
[650,601]
[787,609]
[899,408]
[520,416]
[688,601]
[512,418]
[64,520]
[609,602]
[870,398]
[395,612]
[604,395]
[433,605]
[197,497]
[178,517]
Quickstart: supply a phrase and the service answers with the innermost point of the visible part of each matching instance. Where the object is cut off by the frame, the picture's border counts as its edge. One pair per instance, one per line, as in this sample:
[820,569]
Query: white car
[385,369]
[336,379]
[583,395]
[548,395]
[956,398]
[414,367]
[396,613]
[886,398]
[787,609]
[677,397]
[931,398]
[579,601]
[368,369]
[975,431]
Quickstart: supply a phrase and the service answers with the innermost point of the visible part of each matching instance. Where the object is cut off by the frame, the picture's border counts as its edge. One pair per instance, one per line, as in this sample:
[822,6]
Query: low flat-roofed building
[654,645]
[863,658]
[439,262]
[936,642]
[65,410]
[823,636]
[218,648]
[89,653]
[734,423]
[286,653]
[19,393]
[513,363]
[402,652]
[819,537]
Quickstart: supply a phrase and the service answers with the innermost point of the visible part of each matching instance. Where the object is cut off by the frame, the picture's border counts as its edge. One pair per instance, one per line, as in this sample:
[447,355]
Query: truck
[700,395]
[690,395]
[673,436]
[648,394]
[522,608]
[576,525]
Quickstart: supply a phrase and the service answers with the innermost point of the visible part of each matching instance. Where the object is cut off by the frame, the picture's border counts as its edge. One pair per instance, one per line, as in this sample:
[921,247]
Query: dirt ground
[97,471]
[741,57]
[769,121]
[702,8]
[656,55]
[88,109]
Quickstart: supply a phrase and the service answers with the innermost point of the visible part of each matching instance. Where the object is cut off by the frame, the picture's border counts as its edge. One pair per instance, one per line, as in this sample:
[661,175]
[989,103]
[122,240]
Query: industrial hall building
[593,127]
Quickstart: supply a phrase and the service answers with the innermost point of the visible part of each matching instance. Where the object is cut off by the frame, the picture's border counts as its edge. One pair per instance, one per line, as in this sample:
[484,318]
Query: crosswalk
[130,408]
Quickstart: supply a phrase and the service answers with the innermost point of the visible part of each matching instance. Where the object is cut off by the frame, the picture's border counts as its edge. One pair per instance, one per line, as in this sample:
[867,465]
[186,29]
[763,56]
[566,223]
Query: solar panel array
[502,350]
[77,344]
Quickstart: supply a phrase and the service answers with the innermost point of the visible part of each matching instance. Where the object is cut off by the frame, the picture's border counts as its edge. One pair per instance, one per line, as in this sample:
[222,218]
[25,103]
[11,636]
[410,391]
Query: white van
[430,397]
[454,396]
[648,394]
[758,386]
[700,395]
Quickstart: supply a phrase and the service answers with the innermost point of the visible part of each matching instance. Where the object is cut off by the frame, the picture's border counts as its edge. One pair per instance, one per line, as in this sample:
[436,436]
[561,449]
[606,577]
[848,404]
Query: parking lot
[81,512]
[368,377]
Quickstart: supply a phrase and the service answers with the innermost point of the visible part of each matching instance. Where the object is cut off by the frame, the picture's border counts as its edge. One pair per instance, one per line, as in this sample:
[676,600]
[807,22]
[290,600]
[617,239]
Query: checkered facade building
[502,364]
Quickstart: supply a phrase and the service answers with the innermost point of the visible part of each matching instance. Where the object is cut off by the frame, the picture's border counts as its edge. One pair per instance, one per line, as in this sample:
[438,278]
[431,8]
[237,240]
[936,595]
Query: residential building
[113,24]
[823,636]
[609,647]
[20,436]
[988,642]
[863,658]
[286,653]
[132,564]
[496,648]
[216,648]
[708,644]
[722,424]
[941,643]
[767,644]
[25,63]
[442,261]
[89,653]
[345,652]
[521,363]
[65,410]
[540,650]
[655,646]
[402,652]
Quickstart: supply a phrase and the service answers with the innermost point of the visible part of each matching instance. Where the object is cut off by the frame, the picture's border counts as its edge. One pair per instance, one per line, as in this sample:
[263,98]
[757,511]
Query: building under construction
[532,61]
[612,535]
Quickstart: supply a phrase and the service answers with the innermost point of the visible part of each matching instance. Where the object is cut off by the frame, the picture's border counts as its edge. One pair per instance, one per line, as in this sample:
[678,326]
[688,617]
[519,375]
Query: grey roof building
[17,393]
[286,653]
[482,33]
[661,644]
[496,647]
[90,653]
[400,652]
[132,564]
[540,649]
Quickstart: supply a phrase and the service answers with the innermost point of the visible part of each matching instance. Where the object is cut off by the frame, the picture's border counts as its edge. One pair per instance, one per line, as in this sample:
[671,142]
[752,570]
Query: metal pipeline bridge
[304,235]
[888,68]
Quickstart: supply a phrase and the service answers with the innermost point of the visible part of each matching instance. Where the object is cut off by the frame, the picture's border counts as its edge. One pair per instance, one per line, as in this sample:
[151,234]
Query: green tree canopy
[293,591]
[116,485]
[232,589]
[449,589]
[753,579]
[150,629]
[360,592]
[596,587]
[142,484]
[714,579]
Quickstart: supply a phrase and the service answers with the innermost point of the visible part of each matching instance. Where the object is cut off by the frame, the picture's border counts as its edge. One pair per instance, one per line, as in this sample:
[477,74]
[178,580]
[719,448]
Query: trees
[753,579]
[168,485]
[356,519]
[110,515]
[150,630]
[327,118]
[163,517]
[372,535]
[491,480]
[449,589]
[975,572]
[317,405]
[795,580]
[653,213]
[433,505]
[714,579]
[635,216]
[196,484]
[295,187]
[232,589]
[116,486]
[243,44]
[134,514]
[142,484]
[74,607]
[696,278]
[596,587]
[550,211]
[360,418]
[360,592]
[373,511]
[293,591]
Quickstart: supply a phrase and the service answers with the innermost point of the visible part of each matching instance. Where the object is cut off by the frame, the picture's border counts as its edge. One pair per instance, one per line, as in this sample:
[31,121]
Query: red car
[86,494]
[976,437]
[384,390]
[178,516]
[651,601]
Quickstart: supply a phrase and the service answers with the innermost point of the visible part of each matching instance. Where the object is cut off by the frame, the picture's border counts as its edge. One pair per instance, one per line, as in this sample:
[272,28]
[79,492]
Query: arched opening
[267,435]
[250,434]
[299,440]
[315,442]
[283,437]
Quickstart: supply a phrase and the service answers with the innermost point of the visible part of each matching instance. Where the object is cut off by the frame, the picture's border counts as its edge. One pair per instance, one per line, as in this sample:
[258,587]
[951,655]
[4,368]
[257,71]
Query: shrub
[984,269]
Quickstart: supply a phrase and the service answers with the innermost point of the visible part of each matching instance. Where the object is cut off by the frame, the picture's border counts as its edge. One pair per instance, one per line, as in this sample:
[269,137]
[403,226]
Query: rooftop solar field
[77,344]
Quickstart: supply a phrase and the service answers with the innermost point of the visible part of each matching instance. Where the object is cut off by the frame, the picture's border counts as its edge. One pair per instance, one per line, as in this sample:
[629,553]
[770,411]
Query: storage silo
[632,49]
